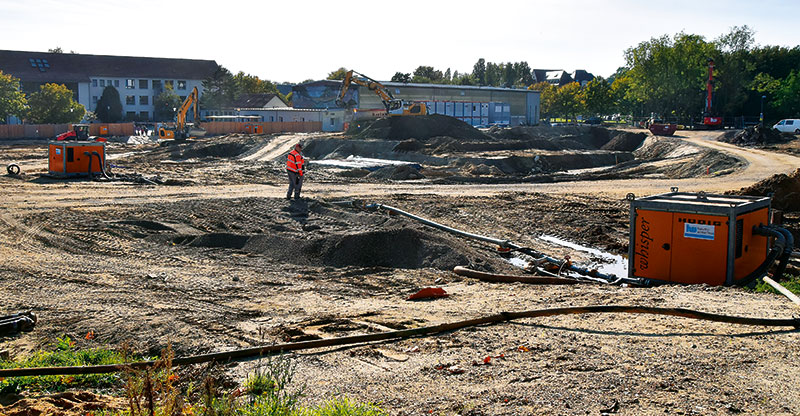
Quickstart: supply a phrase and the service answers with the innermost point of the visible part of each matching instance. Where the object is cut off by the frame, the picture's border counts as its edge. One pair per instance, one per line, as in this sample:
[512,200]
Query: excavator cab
[81,131]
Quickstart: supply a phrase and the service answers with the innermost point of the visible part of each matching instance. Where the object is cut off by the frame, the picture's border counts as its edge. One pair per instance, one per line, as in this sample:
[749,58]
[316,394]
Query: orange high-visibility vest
[294,162]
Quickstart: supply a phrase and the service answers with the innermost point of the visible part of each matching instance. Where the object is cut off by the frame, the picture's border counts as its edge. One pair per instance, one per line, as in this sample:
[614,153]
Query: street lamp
[761,117]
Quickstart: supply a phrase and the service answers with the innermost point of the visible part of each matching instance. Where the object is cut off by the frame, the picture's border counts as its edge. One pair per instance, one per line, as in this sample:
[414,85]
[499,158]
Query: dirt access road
[760,165]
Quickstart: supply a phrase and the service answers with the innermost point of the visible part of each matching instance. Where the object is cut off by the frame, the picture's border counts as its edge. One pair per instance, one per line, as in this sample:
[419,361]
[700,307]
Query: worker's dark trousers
[295,183]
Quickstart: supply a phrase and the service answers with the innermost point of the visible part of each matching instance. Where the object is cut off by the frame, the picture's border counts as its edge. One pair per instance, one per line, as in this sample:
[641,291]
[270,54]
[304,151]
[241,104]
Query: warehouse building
[137,79]
[479,106]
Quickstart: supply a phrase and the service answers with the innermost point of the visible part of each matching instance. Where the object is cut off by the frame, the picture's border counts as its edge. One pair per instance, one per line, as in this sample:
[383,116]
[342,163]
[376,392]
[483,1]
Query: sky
[296,40]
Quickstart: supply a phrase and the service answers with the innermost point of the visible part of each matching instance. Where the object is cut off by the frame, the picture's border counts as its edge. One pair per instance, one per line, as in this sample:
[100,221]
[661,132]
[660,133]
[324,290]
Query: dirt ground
[212,258]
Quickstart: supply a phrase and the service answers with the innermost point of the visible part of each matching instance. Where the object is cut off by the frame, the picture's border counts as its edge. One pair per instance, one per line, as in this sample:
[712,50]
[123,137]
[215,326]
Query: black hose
[787,252]
[259,351]
[102,165]
[89,170]
[776,250]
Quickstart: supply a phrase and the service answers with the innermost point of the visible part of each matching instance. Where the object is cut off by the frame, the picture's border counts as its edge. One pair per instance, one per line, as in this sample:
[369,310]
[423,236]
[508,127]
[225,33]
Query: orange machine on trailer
[684,237]
[76,158]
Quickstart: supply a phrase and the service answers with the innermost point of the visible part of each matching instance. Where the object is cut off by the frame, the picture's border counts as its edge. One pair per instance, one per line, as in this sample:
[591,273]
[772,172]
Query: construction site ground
[212,258]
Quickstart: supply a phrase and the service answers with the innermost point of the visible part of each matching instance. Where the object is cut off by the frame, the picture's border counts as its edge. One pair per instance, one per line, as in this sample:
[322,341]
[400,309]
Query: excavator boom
[393,105]
[182,130]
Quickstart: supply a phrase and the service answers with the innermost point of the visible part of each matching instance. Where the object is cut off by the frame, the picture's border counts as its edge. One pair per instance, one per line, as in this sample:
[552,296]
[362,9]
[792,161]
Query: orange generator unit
[681,237]
[68,159]
[250,128]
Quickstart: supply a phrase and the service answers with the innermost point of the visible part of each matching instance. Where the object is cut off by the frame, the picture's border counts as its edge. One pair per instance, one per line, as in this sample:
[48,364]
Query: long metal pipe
[507,244]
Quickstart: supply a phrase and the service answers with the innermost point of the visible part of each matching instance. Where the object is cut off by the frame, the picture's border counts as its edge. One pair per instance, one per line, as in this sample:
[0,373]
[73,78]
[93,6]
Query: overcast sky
[294,40]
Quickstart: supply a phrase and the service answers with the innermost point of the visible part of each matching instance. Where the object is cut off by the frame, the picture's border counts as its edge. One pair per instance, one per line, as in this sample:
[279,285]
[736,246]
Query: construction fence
[268,127]
[50,131]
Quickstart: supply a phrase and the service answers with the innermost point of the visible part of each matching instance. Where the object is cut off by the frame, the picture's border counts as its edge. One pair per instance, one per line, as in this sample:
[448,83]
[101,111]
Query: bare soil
[214,259]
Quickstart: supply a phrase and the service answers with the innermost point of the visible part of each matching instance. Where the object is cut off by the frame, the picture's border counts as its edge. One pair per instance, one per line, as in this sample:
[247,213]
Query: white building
[137,79]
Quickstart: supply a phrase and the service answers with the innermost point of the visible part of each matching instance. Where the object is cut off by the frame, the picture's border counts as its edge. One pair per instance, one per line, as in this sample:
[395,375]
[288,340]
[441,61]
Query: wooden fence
[50,131]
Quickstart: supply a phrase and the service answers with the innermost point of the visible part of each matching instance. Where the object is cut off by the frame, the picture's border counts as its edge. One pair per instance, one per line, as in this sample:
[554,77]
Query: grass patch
[63,354]
[789,282]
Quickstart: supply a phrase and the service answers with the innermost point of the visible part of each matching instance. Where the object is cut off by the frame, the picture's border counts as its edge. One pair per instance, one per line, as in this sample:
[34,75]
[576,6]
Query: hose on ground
[260,351]
[539,257]
[787,252]
[774,252]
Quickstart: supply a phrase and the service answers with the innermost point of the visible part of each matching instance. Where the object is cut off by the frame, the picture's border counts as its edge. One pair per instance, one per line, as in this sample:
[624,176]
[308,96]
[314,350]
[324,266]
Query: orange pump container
[684,237]
[68,158]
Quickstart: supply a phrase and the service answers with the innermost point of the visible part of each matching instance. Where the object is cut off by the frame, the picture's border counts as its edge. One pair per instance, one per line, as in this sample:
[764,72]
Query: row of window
[144,84]
[131,99]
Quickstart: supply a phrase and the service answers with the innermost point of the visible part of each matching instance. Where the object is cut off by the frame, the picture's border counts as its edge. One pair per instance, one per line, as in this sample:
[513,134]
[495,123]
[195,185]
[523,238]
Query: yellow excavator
[183,130]
[394,106]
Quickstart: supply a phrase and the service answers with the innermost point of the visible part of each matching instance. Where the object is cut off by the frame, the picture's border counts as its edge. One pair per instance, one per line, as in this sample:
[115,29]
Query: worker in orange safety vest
[294,167]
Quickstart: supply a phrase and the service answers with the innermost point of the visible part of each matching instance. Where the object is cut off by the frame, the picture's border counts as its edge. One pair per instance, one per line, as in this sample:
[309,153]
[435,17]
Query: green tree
[251,84]
[166,105]
[337,74]
[219,90]
[524,74]
[509,75]
[547,98]
[427,74]
[12,100]
[401,77]
[479,72]
[53,104]
[596,97]
[733,70]
[622,100]
[568,101]
[669,74]
[109,106]
[57,49]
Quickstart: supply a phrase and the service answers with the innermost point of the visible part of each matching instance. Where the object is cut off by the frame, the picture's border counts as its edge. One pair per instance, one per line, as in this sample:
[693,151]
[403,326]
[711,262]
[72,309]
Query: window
[789,122]
[130,115]
[142,84]
[156,84]
[144,115]
[280,118]
[116,83]
[39,63]
[102,83]
[169,84]
[181,85]
[130,100]
[94,99]
[271,118]
[94,82]
[129,84]
[144,100]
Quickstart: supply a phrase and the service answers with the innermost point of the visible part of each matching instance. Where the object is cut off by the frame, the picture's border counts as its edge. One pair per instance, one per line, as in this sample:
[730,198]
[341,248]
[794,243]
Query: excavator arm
[393,105]
[190,101]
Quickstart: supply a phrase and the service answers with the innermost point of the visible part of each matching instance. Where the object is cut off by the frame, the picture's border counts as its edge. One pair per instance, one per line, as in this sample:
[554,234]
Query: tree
[57,49]
[427,75]
[109,106]
[622,100]
[494,74]
[53,104]
[668,75]
[251,84]
[596,97]
[165,105]
[524,74]
[567,100]
[510,75]
[401,77]
[12,100]
[479,72]
[219,90]
[547,98]
[447,76]
[733,70]
[337,74]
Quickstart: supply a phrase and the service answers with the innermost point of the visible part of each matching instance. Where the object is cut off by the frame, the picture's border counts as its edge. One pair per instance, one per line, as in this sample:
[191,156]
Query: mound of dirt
[752,136]
[418,127]
[785,190]
[624,141]
[397,173]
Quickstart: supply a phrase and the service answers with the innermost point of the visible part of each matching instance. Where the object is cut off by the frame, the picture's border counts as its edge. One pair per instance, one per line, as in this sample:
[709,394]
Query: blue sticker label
[699,231]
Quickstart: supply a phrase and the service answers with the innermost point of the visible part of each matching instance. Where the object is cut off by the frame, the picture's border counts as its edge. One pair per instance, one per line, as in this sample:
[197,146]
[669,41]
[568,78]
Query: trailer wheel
[796,131]
[13,169]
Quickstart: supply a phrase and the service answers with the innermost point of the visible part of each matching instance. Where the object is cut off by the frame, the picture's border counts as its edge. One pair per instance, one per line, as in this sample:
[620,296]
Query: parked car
[789,125]
[593,120]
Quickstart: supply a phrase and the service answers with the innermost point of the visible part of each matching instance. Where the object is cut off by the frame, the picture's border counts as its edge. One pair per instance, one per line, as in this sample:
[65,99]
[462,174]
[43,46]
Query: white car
[789,125]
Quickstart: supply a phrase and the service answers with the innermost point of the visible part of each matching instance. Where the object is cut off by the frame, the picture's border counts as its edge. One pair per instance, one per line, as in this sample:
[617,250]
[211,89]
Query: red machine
[710,122]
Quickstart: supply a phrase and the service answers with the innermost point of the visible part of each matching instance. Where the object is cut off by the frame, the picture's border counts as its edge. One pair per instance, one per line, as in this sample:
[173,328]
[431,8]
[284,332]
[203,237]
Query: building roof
[72,67]
[255,101]
[455,87]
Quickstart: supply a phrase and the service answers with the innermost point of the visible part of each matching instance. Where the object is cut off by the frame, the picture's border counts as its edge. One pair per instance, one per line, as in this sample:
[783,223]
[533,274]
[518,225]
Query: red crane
[710,121]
